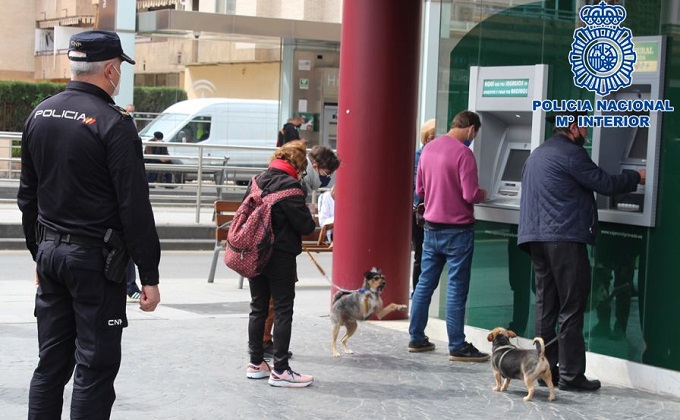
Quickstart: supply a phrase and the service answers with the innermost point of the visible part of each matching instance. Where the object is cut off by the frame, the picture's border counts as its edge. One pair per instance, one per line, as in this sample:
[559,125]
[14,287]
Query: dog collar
[364,290]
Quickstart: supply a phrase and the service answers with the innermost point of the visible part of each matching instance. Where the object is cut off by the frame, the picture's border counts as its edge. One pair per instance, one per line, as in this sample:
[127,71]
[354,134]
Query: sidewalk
[187,360]
[164,215]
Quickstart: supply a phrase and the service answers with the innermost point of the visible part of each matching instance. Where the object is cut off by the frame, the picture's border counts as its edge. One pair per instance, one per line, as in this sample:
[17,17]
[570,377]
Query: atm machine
[502,96]
[618,148]
[329,126]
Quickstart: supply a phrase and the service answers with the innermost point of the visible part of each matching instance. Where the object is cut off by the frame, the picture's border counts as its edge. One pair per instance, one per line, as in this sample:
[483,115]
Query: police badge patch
[602,54]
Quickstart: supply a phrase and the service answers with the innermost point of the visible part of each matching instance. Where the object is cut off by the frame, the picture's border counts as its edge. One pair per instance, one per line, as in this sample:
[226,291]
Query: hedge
[17,100]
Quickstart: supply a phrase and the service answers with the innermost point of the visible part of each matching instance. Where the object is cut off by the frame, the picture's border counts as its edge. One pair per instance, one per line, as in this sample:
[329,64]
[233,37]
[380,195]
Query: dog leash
[318,267]
[545,345]
[323,273]
[550,342]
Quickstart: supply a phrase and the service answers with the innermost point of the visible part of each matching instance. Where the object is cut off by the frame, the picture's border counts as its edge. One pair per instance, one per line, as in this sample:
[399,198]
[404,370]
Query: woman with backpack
[290,220]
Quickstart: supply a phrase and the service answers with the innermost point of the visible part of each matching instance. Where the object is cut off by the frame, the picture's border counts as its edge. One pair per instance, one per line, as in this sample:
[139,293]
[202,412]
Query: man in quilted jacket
[558,219]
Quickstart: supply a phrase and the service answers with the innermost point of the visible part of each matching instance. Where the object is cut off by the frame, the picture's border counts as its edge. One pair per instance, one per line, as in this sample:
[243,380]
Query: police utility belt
[115,253]
[68,238]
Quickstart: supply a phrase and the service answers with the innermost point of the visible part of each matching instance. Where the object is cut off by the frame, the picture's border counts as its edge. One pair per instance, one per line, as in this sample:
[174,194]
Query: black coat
[291,218]
[289,132]
[82,172]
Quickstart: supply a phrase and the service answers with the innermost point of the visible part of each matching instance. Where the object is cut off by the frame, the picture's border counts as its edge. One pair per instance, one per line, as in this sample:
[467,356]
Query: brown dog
[350,306]
[512,363]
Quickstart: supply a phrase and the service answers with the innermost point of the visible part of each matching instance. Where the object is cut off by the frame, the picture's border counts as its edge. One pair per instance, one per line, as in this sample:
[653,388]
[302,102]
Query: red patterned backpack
[250,237]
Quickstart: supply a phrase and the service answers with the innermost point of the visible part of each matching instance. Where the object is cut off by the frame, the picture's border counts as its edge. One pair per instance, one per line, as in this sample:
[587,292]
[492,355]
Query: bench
[224,213]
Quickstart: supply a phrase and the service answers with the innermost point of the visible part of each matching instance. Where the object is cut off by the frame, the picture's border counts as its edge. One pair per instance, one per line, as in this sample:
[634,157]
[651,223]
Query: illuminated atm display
[637,150]
[512,172]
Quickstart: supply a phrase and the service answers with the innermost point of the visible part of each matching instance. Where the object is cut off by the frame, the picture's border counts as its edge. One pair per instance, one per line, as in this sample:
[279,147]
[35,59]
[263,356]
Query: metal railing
[10,162]
[197,162]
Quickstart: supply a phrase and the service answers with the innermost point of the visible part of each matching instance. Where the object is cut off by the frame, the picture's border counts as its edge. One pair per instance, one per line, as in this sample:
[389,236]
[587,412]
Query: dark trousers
[153,176]
[80,317]
[521,283]
[278,282]
[562,288]
[417,237]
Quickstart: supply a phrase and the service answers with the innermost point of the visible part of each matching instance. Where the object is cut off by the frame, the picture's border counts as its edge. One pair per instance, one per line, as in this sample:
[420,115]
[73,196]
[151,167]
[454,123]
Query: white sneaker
[260,371]
[134,297]
[290,379]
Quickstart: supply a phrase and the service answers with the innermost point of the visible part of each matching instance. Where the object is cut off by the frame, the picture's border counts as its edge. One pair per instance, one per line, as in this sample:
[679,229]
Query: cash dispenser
[502,96]
[633,147]
[329,126]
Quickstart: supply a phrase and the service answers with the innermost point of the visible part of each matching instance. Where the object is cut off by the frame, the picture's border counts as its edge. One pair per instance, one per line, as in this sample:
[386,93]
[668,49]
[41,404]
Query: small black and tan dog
[351,306]
[512,363]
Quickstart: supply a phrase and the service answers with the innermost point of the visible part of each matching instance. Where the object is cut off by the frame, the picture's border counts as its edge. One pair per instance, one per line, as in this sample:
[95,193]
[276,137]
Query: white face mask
[116,88]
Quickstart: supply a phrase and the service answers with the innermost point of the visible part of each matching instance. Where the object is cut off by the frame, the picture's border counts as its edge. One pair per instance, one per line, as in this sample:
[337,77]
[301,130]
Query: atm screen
[638,147]
[514,165]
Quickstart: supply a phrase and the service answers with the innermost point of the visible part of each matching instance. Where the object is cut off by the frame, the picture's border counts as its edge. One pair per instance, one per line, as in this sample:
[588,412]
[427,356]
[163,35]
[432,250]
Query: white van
[219,121]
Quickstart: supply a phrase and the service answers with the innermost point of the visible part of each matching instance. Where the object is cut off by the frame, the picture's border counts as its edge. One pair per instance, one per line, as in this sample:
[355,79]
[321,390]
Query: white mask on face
[116,88]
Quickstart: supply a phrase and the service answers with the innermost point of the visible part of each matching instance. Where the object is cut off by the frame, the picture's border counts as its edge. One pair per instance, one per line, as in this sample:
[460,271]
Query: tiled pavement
[187,360]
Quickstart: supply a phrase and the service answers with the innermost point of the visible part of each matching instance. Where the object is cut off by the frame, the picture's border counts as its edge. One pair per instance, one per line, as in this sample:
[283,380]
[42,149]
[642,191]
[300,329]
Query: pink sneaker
[260,371]
[290,379]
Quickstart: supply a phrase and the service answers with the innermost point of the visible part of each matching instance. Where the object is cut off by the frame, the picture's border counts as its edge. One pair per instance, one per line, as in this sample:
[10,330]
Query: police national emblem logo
[602,55]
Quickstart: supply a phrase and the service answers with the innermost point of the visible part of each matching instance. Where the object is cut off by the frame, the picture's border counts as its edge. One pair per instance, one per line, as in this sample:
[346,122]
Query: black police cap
[96,46]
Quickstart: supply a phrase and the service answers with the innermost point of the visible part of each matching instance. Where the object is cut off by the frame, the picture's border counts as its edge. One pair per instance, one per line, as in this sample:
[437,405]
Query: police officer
[82,175]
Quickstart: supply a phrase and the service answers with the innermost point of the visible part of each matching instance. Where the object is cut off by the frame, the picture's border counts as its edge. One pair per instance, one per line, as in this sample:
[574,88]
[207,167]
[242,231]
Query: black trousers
[80,317]
[417,237]
[277,281]
[562,288]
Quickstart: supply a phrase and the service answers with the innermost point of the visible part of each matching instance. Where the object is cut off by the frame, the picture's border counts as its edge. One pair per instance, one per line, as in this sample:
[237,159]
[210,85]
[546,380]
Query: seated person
[327,211]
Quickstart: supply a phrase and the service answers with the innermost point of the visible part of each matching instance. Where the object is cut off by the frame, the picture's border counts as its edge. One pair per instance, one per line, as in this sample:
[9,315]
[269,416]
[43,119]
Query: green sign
[505,88]
[304,83]
[647,56]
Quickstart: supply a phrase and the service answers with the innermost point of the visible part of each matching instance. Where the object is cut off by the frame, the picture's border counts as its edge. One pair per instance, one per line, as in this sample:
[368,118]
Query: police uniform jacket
[557,203]
[83,172]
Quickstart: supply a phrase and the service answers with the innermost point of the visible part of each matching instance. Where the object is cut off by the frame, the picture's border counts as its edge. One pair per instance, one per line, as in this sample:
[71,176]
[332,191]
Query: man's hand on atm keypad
[643,176]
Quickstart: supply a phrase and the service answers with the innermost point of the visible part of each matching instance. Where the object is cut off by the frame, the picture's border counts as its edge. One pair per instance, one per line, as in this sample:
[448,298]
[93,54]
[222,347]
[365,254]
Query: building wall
[17,45]
[56,9]
[238,80]
[51,67]
[163,55]
[157,55]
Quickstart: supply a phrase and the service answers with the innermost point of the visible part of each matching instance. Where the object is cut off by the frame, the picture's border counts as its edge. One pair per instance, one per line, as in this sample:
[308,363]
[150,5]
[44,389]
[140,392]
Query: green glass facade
[634,309]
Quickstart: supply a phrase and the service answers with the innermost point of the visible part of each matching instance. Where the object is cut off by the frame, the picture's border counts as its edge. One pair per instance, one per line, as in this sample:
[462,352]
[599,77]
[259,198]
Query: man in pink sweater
[447,181]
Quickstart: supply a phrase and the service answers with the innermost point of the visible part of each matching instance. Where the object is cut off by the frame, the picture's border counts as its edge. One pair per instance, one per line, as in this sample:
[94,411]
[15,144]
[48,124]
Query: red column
[377,112]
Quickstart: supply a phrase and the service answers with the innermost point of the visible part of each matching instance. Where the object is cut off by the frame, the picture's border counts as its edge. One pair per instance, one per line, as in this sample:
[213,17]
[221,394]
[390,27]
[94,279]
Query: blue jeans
[453,246]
